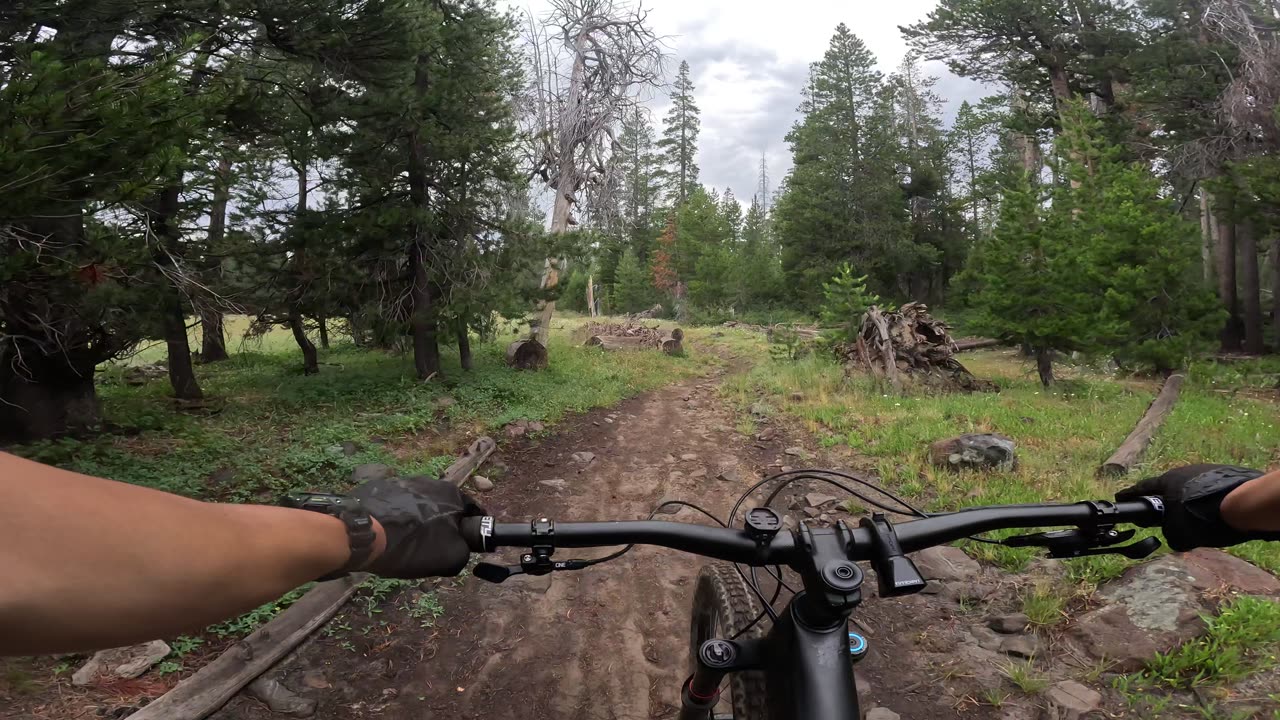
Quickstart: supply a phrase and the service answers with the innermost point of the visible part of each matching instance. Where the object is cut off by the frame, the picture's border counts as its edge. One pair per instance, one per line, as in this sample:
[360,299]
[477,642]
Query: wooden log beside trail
[527,354]
[976,344]
[670,345]
[201,694]
[1133,447]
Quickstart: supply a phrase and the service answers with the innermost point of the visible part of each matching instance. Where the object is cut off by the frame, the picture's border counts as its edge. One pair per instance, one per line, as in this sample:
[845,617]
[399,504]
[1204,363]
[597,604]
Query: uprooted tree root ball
[908,347]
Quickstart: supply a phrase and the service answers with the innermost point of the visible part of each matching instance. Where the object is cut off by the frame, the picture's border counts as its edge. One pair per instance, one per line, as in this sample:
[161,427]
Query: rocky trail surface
[612,641]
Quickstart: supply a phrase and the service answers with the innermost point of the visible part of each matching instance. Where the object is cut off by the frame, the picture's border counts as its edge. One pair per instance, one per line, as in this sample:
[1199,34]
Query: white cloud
[750,59]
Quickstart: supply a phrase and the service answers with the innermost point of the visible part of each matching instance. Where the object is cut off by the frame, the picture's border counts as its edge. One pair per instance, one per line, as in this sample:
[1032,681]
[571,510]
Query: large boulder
[985,451]
[946,562]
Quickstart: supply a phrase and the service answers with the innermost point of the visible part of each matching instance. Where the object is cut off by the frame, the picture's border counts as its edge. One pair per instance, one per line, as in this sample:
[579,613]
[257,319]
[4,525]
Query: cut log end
[673,346]
[527,354]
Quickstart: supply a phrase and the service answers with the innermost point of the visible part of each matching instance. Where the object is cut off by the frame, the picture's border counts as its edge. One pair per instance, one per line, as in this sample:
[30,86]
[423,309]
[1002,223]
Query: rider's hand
[421,517]
[1193,497]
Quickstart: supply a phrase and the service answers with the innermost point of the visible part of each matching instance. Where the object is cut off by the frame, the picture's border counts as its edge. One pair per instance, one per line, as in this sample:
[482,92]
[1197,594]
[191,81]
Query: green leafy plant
[1025,677]
[1241,640]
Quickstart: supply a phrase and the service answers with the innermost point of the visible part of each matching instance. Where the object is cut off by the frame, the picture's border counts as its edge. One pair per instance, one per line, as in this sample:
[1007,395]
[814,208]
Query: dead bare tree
[591,60]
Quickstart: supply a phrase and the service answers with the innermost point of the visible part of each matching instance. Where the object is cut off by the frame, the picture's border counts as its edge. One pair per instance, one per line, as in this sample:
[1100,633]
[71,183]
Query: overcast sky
[750,60]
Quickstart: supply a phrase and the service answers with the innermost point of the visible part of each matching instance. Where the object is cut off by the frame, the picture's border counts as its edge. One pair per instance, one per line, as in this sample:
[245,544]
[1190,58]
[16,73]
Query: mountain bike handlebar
[741,546]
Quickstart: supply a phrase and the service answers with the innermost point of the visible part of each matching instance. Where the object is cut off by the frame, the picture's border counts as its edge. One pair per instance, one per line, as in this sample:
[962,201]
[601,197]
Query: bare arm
[90,563]
[1254,505]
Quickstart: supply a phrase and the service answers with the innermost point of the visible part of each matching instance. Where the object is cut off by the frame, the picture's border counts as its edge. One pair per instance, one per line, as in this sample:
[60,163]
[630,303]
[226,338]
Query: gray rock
[824,518]
[812,512]
[371,471]
[766,434]
[698,473]
[280,699]
[315,680]
[121,663]
[881,713]
[729,475]
[1021,646]
[1069,700]
[819,500]
[797,452]
[669,459]
[482,483]
[349,448]
[986,638]
[689,457]
[516,429]
[536,427]
[555,483]
[1008,624]
[986,451]
[945,562]
[583,457]
[1153,608]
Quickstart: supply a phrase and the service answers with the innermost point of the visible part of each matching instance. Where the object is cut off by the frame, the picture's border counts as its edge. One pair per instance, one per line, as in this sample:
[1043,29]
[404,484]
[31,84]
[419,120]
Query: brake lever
[1080,543]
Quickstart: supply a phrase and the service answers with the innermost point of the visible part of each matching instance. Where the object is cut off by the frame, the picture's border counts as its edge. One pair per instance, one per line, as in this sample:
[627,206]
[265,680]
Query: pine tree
[842,201]
[632,291]
[637,164]
[759,270]
[679,143]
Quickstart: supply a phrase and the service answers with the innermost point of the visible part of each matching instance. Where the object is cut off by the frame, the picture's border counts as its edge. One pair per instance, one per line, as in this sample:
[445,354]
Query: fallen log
[214,684]
[652,312]
[527,354]
[201,694]
[614,343]
[976,344]
[1133,447]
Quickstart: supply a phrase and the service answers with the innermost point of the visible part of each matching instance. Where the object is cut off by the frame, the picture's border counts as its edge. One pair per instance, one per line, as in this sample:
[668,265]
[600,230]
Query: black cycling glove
[421,517]
[1192,496]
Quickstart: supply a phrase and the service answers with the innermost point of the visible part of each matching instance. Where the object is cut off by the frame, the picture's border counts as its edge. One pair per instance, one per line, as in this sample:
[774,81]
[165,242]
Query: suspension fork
[716,659]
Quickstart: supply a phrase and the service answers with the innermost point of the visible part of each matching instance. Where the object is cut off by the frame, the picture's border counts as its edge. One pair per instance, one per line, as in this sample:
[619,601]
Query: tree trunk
[1206,235]
[591,297]
[49,400]
[173,316]
[1275,287]
[423,320]
[213,340]
[1251,285]
[1044,365]
[310,362]
[464,347]
[323,324]
[213,337]
[1227,280]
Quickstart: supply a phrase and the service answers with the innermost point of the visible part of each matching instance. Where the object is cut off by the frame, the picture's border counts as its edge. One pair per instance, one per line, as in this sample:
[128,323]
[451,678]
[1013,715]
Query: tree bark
[1251,285]
[310,361]
[1275,287]
[213,337]
[1206,235]
[323,324]
[173,315]
[213,340]
[1044,365]
[1133,447]
[464,347]
[48,400]
[1227,279]
[423,320]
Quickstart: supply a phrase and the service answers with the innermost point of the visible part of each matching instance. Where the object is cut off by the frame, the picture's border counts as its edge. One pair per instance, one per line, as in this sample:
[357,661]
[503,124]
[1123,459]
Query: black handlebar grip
[477,531]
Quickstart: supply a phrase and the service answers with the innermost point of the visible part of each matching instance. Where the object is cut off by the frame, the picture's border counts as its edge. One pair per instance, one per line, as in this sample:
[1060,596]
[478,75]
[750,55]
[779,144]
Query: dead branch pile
[908,345]
[634,336]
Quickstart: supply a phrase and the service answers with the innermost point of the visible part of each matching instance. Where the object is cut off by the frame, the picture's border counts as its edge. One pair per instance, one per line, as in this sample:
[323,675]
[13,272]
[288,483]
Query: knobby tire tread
[724,593]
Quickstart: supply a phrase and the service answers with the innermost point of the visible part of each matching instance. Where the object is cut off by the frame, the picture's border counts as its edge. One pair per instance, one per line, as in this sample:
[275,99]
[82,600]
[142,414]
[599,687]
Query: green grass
[1063,435]
[278,430]
[1044,604]
[1025,677]
[1241,640]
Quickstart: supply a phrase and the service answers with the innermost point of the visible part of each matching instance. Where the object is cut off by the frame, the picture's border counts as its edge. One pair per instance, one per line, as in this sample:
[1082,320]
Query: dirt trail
[607,642]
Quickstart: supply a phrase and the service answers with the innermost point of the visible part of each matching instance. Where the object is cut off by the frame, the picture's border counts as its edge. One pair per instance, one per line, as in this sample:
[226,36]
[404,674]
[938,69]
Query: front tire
[723,604]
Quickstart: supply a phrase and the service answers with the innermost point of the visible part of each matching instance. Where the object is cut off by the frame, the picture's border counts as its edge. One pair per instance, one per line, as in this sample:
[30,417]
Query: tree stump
[527,354]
